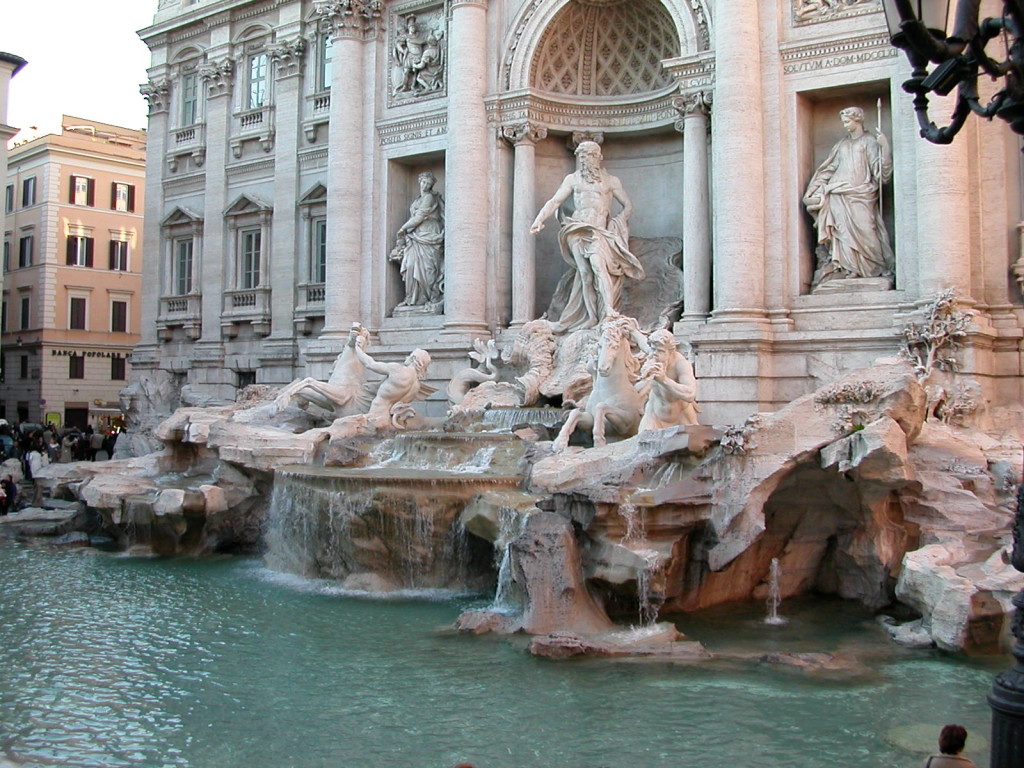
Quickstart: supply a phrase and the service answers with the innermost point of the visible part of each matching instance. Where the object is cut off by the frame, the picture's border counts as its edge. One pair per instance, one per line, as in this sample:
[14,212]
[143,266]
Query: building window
[25,248]
[119,316]
[77,312]
[119,255]
[25,319]
[76,367]
[80,251]
[318,260]
[83,190]
[189,99]
[9,199]
[326,55]
[3,316]
[7,254]
[23,367]
[183,266]
[122,197]
[28,191]
[257,80]
[118,369]
[249,268]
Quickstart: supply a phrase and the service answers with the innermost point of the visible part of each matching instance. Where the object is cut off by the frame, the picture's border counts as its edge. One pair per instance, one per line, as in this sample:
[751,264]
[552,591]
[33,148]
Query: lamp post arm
[944,135]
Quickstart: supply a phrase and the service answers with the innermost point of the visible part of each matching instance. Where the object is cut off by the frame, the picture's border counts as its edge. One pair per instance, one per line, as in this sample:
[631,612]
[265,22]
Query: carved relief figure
[667,381]
[593,241]
[418,54]
[419,248]
[843,197]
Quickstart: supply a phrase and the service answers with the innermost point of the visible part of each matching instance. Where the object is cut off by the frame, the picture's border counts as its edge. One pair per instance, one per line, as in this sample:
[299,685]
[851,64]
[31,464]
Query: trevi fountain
[614,532]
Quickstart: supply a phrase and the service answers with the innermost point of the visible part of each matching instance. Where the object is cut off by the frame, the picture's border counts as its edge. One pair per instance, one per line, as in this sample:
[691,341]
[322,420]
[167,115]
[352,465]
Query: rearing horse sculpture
[614,406]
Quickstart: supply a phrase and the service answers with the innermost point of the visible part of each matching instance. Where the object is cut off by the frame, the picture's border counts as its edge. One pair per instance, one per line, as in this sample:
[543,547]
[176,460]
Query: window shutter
[88,251]
[131,198]
[113,254]
[71,251]
[90,195]
[71,192]
[113,195]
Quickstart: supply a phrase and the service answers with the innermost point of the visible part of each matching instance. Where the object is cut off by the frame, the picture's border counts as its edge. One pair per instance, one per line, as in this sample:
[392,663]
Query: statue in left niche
[419,57]
[419,249]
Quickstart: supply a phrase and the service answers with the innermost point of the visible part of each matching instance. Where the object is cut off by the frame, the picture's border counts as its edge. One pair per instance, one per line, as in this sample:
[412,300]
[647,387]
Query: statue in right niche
[844,197]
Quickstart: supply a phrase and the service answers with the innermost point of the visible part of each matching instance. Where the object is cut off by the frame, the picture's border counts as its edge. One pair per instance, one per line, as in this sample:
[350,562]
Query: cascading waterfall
[634,538]
[774,595]
[507,596]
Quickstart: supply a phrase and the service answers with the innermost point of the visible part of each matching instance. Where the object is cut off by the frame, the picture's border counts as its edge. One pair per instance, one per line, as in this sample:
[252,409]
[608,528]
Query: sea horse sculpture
[614,405]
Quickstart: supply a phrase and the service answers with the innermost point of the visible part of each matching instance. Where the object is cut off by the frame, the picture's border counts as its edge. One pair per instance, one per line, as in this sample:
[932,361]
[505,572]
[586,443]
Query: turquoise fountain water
[114,661]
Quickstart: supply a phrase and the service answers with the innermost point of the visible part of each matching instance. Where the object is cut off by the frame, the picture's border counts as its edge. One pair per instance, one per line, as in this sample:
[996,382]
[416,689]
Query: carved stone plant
[931,344]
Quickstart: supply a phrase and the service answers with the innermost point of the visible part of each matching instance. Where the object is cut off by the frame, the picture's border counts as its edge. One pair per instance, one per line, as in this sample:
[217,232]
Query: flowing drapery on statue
[843,196]
[592,241]
[420,248]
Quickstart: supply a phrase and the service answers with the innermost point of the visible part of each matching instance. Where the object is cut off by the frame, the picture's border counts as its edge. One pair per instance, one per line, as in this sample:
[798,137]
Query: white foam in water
[332,588]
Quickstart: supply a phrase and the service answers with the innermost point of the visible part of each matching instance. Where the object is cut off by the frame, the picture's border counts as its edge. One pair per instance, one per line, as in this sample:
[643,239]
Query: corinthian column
[466,177]
[523,137]
[694,108]
[352,23]
[737,148]
[157,93]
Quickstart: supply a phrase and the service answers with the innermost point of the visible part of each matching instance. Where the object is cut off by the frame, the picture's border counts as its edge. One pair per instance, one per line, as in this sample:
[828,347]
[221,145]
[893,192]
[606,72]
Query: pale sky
[84,59]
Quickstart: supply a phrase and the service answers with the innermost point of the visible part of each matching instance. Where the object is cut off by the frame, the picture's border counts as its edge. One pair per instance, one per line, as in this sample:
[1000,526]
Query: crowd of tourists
[36,446]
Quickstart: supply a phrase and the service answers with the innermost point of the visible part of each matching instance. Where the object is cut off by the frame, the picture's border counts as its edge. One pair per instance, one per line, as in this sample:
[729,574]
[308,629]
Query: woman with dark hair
[951,744]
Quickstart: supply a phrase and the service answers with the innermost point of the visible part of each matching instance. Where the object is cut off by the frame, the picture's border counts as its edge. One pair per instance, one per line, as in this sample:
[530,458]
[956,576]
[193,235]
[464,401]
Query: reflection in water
[113,661]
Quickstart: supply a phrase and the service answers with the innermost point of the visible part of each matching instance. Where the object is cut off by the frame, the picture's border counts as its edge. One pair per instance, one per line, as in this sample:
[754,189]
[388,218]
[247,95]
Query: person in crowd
[10,488]
[951,743]
[34,463]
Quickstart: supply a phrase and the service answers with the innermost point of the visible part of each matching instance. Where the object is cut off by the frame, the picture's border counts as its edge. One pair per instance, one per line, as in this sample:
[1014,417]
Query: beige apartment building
[72,263]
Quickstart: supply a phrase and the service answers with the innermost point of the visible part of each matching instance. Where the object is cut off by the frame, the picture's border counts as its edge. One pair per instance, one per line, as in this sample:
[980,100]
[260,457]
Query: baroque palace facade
[289,138]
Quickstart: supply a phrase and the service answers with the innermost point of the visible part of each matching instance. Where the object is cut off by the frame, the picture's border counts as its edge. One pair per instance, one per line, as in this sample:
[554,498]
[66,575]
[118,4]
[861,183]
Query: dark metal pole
[1007,696]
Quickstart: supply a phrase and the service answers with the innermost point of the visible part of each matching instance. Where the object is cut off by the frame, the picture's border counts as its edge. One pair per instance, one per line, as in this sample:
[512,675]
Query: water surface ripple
[114,661]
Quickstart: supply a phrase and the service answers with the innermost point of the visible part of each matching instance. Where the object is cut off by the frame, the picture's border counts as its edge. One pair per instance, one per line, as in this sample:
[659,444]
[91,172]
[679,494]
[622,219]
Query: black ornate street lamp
[919,28]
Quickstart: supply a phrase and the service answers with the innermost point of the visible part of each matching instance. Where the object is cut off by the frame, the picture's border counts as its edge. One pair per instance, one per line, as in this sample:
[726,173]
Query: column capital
[691,105]
[288,55]
[218,76]
[578,137]
[355,19]
[524,132]
[156,93]
[479,3]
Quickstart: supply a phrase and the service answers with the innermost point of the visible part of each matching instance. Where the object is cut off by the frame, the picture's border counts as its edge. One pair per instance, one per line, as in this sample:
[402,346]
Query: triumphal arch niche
[576,70]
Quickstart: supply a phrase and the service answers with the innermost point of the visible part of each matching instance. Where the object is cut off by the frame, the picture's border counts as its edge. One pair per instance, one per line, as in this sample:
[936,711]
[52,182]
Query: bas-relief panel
[417,52]
[814,11]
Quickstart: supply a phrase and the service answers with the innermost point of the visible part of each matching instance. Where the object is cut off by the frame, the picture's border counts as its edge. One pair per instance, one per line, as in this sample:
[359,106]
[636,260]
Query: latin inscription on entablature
[401,131]
[837,53]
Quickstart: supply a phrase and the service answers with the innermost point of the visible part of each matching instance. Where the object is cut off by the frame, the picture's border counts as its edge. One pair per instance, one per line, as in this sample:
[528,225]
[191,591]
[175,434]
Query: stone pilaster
[523,137]
[694,109]
[466,164]
[157,93]
[737,149]
[284,261]
[218,78]
[352,23]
